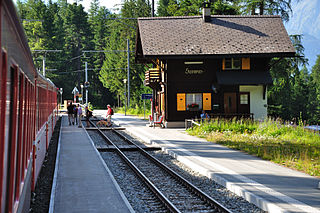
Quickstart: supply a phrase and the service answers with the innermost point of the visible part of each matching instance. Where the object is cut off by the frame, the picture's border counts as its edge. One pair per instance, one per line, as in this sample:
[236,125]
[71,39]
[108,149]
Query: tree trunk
[261,7]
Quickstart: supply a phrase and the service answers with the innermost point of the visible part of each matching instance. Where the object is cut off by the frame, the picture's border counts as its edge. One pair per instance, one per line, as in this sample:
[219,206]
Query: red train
[28,113]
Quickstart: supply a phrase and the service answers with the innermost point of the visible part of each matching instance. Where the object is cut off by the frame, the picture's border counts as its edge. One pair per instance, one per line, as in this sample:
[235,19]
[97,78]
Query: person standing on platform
[88,115]
[109,114]
[204,116]
[70,113]
[79,114]
[75,114]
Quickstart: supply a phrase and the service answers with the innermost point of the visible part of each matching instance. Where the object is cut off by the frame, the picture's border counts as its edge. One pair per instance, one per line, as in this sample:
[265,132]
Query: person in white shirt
[79,115]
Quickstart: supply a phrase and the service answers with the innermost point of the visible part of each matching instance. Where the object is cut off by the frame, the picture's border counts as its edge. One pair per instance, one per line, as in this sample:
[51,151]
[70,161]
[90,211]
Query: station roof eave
[149,58]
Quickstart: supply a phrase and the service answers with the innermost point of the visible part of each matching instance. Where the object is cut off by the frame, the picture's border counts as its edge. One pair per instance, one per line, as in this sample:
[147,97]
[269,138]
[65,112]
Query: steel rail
[145,180]
[212,202]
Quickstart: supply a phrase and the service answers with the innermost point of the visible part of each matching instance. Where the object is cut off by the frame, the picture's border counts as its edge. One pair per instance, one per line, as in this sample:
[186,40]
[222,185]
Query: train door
[3,135]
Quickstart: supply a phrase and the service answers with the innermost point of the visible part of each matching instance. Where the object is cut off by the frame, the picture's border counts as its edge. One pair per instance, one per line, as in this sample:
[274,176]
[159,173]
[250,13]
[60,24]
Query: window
[244,99]
[194,98]
[231,63]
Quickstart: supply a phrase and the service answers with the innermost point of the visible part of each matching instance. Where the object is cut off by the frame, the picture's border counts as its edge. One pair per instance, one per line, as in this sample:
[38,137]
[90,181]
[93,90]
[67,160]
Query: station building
[219,63]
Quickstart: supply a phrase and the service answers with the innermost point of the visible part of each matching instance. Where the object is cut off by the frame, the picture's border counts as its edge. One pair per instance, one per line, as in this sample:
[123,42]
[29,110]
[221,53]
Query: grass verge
[291,146]
[134,111]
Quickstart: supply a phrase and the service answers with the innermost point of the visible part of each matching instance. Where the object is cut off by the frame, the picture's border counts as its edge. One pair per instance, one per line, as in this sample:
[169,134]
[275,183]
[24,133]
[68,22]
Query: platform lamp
[125,96]
[81,86]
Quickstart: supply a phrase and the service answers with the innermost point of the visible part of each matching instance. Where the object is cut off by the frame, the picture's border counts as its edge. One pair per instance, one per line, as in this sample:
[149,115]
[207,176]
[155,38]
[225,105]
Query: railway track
[174,192]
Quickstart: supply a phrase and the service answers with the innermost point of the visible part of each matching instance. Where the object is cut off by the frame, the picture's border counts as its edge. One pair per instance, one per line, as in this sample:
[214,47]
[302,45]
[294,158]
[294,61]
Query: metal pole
[44,66]
[60,99]
[128,56]
[125,100]
[86,80]
[152,8]
[144,108]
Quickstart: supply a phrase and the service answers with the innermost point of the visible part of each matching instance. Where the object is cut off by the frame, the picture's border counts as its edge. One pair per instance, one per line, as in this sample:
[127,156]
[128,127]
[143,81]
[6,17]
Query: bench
[160,121]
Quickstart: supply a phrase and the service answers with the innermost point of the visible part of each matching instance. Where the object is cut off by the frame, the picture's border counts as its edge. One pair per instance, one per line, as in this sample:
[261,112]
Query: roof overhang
[249,55]
[243,78]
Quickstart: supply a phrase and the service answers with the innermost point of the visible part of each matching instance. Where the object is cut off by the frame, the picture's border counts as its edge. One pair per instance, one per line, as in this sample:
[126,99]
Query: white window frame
[194,98]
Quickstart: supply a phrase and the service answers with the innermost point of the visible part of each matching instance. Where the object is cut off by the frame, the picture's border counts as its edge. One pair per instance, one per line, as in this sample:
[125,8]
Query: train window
[20,136]
[25,130]
[13,136]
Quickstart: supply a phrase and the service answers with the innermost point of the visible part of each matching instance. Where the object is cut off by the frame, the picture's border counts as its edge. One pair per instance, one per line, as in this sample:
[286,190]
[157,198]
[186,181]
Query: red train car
[28,113]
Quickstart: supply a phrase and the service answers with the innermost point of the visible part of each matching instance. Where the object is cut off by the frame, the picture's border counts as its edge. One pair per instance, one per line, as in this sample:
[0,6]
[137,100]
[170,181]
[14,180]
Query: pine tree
[162,9]
[314,108]
[267,7]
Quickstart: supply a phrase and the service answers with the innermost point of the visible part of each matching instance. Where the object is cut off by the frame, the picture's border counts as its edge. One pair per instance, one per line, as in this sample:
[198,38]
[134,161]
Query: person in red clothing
[109,114]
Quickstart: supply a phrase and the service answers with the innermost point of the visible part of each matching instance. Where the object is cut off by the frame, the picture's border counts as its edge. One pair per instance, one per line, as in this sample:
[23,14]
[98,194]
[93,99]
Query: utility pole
[44,59]
[152,8]
[44,66]
[86,80]
[128,56]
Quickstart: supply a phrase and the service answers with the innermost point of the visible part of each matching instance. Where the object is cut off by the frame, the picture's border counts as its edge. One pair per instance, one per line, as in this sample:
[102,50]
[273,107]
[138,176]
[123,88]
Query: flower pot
[194,109]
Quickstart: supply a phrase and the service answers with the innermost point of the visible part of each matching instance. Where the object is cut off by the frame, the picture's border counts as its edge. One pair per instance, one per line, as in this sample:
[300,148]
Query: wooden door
[230,103]
[244,102]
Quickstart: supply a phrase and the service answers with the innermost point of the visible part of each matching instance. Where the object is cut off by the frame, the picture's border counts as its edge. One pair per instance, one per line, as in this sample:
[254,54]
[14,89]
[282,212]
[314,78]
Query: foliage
[290,76]
[115,66]
[267,7]
[137,111]
[292,146]
[193,7]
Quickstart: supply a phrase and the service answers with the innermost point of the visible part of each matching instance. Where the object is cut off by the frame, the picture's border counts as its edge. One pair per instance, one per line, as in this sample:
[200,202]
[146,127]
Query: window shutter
[181,102]
[223,64]
[206,101]
[246,63]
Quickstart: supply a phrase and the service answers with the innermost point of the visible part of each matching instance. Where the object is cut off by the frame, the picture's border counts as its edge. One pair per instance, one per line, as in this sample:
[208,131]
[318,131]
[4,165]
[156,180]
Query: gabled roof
[223,35]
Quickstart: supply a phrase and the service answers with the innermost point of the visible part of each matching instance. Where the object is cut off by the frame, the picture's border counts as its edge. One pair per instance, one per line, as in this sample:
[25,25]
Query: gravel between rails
[176,192]
[221,194]
[138,195]
[232,201]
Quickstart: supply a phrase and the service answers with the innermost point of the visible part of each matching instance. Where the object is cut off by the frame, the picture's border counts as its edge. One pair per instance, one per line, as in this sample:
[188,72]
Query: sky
[110,4]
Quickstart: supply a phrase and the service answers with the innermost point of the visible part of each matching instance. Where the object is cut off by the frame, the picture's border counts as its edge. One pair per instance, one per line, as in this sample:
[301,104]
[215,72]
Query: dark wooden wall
[179,82]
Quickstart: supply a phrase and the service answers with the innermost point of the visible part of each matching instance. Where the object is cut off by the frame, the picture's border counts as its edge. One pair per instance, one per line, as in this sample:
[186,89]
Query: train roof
[17,28]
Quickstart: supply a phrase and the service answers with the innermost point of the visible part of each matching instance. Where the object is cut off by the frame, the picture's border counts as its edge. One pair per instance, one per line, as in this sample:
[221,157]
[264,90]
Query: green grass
[133,111]
[294,147]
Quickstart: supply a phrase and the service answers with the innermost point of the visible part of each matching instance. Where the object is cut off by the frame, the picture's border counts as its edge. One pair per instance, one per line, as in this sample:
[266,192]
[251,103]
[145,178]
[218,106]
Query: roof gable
[224,35]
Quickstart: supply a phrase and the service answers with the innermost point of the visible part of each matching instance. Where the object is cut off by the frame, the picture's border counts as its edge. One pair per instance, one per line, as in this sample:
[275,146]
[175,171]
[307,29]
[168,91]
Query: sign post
[144,97]
[75,93]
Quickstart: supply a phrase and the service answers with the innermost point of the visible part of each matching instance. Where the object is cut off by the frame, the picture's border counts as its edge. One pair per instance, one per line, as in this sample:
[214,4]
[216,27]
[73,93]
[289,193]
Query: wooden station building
[219,63]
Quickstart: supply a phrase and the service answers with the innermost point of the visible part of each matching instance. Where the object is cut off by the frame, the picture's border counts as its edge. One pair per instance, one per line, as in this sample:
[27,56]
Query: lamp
[214,88]
[125,96]
[81,86]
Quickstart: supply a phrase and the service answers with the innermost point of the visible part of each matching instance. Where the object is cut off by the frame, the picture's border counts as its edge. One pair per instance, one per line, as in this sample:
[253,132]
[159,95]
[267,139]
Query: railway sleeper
[108,148]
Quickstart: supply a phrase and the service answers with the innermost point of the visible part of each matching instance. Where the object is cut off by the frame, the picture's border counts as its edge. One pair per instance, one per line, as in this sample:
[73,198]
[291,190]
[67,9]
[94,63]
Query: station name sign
[193,71]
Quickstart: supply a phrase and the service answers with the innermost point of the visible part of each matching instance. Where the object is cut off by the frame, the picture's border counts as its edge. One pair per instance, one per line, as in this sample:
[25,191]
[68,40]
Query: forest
[100,37]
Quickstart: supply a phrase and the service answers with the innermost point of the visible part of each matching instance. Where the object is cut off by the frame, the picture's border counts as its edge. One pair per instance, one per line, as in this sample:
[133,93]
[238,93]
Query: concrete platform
[82,181]
[271,187]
